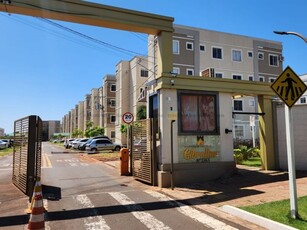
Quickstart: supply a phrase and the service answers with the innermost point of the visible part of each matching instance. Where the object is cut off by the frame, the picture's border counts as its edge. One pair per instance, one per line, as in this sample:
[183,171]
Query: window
[144,73]
[303,100]
[239,130]
[176,70]
[251,103]
[217,53]
[260,56]
[112,134]
[261,79]
[273,60]
[250,54]
[202,48]
[237,55]
[198,113]
[190,71]
[272,79]
[113,88]
[112,102]
[219,75]
[237,105]
[250,78]
[237,77]
[112,118]
[189,46]
[176,47]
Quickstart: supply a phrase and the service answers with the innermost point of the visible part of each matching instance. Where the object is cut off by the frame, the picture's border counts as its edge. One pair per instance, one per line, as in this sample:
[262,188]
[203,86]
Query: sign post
[289,87]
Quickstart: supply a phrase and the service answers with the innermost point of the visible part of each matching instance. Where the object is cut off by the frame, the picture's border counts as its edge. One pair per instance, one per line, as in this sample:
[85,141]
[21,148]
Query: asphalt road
[82,193]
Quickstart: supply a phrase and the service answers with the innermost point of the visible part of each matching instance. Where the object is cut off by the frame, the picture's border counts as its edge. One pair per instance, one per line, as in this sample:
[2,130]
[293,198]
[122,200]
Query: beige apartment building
[207,53]
[131,77]
[98,107]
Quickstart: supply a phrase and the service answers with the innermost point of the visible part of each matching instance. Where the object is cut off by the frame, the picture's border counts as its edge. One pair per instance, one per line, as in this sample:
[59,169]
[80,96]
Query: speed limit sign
[128,117]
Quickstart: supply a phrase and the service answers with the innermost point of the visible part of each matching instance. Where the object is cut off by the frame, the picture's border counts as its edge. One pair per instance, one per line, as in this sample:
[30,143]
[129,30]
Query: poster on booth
[199,149]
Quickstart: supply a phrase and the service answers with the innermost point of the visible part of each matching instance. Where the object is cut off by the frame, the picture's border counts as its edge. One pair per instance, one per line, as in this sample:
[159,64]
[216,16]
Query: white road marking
[146,218]
[93,222]
[193,213]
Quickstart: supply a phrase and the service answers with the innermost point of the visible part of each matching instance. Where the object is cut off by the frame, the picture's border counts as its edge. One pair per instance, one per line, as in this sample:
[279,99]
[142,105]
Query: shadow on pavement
[238,185]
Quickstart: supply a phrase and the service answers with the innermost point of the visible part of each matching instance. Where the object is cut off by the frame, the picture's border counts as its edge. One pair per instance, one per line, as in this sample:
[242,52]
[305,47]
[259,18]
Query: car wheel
[117,148]
[94,150]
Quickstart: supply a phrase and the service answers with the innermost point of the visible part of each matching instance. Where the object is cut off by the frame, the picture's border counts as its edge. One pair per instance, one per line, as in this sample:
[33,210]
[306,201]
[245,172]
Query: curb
[259,220]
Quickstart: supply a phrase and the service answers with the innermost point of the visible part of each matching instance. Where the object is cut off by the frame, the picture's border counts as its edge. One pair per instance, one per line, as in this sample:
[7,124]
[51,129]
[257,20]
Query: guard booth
[27,153]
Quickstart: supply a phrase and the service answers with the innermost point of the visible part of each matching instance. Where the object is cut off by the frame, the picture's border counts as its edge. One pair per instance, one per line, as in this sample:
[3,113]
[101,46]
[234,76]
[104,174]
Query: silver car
[3,145]
[102,144]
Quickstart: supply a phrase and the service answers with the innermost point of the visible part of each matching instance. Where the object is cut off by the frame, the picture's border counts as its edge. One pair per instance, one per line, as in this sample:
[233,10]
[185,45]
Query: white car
[76,143]
[3,145]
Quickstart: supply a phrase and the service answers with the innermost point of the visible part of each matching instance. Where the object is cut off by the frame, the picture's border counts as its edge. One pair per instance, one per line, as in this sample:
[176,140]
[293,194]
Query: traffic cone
[36,191]
[37,219]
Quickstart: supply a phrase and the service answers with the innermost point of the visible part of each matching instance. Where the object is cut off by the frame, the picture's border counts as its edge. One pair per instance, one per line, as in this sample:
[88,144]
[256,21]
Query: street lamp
[291,33]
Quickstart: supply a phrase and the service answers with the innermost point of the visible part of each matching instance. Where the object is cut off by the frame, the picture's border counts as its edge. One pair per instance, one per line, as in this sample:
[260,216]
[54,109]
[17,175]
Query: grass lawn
[6,151]
[253,161]
[279,211]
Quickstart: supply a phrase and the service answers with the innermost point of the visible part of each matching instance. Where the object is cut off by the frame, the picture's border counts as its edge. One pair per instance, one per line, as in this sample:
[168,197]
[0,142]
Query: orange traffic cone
[36,191]
[37,219]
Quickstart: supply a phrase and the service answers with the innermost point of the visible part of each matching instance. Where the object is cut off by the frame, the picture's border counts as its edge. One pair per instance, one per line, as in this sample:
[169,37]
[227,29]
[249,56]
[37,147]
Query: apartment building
[98,107]
[206,53]
[1,132]
[131,77]
[49,128]
[109,104]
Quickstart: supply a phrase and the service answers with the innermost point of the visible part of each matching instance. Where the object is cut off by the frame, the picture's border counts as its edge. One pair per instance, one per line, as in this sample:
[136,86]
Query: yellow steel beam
[91,14]
[215,84]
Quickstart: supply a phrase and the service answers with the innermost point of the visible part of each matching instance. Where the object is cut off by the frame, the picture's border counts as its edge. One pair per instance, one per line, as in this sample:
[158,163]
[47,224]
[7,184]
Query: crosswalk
[134,210]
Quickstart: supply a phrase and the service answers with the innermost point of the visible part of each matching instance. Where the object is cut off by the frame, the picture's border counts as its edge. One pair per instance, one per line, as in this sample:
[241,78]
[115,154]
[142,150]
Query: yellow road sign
[289,87]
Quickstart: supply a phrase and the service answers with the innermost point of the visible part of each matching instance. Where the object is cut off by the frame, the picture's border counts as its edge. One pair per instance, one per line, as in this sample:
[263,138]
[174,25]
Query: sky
[46,71]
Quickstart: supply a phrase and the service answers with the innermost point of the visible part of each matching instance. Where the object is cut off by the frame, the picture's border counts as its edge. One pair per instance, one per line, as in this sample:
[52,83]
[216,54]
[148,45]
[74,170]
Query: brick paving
[249,186]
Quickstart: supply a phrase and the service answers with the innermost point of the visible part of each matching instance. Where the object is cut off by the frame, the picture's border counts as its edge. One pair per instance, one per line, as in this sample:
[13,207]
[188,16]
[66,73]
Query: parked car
[7,142]
[83,145]
[76,143]
[3,145]
[67,143]
[102,144]
[140,145]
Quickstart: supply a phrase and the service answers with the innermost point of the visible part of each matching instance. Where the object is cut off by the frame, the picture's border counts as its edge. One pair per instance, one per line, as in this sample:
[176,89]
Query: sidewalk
[249,186]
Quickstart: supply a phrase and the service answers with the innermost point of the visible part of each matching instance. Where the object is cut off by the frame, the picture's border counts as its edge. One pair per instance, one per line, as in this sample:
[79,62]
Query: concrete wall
[299,113]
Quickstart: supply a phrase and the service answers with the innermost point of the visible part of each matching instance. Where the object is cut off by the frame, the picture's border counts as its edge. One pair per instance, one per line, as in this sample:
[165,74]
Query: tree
[77,133]
[123,128]
[92,132]
[141,112]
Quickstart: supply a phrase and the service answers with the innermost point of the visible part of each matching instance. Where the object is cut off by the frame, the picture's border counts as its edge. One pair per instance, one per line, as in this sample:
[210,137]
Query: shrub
[244,153]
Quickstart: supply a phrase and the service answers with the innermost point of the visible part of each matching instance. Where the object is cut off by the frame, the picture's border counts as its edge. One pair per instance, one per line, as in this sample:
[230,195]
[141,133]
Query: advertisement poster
[199,149]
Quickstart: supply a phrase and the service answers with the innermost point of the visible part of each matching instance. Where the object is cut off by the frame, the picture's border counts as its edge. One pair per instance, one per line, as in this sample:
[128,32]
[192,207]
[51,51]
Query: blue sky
[46,71]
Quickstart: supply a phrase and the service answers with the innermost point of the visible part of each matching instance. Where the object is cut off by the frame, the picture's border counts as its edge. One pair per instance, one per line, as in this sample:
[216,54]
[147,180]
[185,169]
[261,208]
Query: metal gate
[27,153]
[142,150]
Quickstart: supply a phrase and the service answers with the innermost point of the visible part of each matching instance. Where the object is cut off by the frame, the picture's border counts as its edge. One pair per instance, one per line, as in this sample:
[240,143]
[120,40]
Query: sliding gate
[27,153]
[142,151]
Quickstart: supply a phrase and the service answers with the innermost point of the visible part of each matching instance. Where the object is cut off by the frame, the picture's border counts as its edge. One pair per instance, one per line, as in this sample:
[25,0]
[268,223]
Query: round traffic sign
[128,117]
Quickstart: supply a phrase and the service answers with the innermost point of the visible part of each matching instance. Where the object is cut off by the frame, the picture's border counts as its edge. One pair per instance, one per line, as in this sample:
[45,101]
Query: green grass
[4,152]
[279,211]
[253,162]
